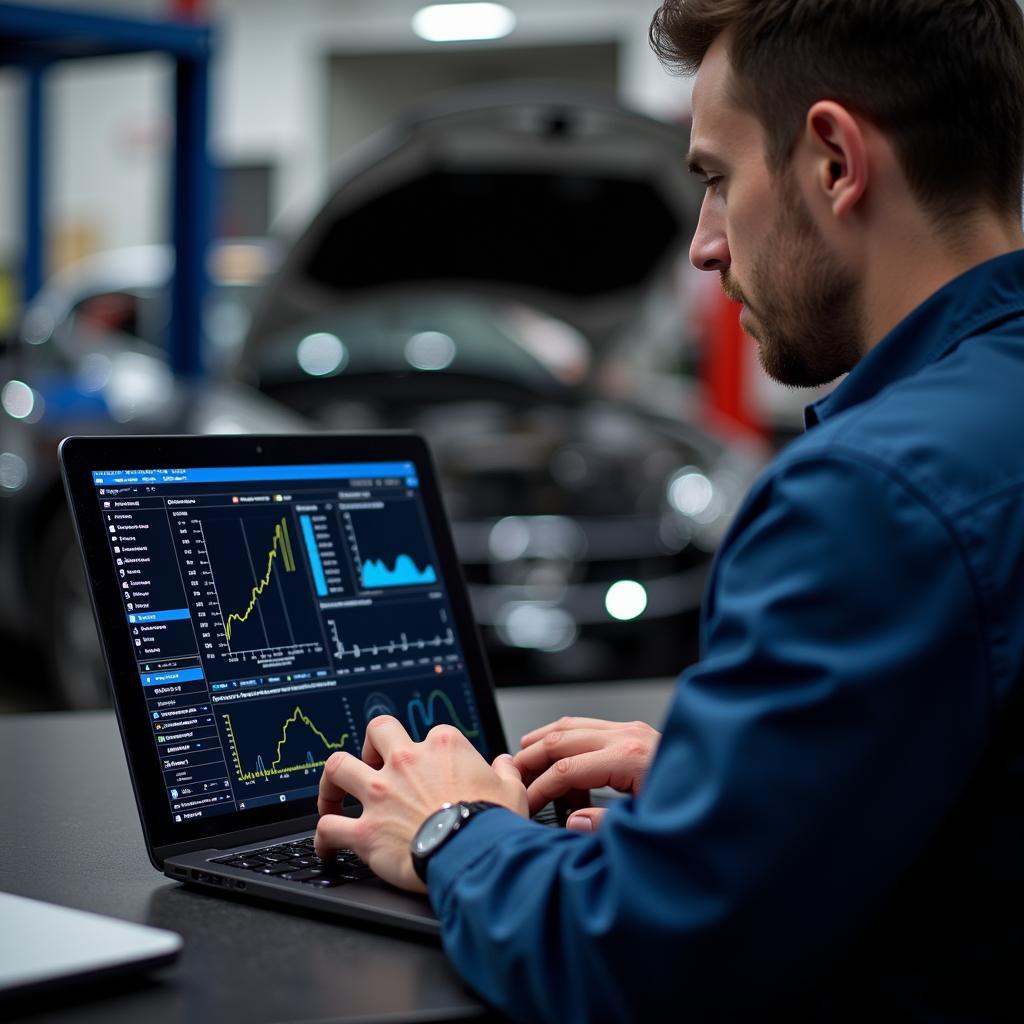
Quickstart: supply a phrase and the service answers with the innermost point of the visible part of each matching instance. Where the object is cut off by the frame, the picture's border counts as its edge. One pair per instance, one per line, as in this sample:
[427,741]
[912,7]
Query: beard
[809,327]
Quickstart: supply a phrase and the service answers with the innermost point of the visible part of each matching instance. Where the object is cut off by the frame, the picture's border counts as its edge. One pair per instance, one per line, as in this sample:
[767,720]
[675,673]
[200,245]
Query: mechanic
[832,825]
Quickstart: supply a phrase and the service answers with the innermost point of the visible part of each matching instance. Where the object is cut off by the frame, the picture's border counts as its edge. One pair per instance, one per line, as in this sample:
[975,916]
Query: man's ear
[840,154]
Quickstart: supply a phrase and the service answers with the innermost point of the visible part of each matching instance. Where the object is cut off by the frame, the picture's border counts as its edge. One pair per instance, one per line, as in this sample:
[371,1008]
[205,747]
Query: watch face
[435,830]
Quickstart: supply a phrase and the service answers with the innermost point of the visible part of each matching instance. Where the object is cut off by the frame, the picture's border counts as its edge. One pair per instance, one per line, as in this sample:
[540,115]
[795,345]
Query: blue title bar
[242,474]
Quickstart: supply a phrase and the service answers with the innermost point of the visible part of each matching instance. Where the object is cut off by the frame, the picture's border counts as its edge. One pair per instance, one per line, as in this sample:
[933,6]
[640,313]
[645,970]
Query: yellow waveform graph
[262,771]
[283,544]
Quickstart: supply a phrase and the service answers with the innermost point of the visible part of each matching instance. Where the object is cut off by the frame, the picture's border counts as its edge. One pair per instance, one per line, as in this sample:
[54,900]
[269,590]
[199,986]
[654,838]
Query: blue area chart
[404,574]
[390,545]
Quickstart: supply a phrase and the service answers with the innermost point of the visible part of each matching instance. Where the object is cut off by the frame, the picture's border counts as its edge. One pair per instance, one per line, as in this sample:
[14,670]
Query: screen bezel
[80,456]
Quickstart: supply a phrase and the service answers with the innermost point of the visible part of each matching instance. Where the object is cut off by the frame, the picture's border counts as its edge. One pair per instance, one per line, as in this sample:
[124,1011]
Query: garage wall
[368,91]
[109,130]
[274,81]
[271,103]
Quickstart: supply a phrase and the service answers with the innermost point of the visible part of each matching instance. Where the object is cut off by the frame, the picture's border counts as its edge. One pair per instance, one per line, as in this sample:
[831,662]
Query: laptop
[46,948]
[259,600]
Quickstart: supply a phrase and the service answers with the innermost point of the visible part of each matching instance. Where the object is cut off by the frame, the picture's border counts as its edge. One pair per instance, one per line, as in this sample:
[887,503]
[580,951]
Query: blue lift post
[33,38]
[34,256]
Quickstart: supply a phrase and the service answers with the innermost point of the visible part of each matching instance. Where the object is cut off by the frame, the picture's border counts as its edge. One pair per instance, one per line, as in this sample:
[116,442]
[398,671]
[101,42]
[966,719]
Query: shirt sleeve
[841,703]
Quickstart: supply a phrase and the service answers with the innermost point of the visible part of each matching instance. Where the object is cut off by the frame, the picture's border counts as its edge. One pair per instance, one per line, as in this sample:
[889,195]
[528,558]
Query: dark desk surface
[70,834]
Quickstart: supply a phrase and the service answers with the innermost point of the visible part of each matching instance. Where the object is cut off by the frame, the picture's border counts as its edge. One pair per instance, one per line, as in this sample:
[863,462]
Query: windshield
[453,334]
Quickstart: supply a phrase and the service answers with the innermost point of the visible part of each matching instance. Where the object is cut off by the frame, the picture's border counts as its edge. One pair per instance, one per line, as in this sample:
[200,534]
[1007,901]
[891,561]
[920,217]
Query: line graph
[388,635]
[422,710]
[282,542]
[403,645]
[251,584]
[425,710]
[276,768]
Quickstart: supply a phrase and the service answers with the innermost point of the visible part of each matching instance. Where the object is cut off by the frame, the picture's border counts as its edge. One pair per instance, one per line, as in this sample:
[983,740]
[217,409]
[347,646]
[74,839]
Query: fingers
[384,735]
[331,794]
[587,820]
[583,771]
[617,753]
[566,723]
[335,832]
[574,800]
[514,791]
[343,773]
[555,745]
[504,765]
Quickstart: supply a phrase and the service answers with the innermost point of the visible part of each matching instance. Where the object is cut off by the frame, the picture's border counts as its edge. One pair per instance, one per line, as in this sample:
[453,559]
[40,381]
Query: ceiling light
[445,23]
[626,600]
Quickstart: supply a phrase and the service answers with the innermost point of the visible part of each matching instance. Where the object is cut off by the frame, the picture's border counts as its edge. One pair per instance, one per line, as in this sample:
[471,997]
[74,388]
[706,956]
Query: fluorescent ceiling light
[445,23]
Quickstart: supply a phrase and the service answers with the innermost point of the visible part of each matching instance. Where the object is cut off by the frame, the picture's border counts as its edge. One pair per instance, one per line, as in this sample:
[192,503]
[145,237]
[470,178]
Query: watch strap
[468,810]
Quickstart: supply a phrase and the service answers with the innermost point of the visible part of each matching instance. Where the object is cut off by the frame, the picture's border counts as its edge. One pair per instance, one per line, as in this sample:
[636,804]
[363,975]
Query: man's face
[800,302]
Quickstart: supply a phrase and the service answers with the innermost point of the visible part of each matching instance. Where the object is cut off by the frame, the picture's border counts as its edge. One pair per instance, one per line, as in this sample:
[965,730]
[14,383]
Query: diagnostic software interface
[274,610]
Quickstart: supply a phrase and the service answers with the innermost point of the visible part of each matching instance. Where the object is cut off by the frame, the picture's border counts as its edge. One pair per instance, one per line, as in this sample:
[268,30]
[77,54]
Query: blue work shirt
[832,818]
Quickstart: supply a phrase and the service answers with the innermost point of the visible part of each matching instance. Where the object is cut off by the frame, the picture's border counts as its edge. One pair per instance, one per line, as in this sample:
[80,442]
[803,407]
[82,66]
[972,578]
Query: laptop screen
[273,611]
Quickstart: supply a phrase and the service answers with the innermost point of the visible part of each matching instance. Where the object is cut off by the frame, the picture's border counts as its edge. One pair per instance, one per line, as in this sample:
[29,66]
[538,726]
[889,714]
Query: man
[833,823]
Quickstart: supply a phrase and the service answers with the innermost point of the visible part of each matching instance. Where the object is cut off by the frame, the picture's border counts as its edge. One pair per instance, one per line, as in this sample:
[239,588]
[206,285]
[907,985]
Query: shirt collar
[977,299]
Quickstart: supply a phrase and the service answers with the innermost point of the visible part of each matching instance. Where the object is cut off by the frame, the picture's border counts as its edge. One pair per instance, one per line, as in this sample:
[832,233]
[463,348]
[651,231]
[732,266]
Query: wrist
[439,828]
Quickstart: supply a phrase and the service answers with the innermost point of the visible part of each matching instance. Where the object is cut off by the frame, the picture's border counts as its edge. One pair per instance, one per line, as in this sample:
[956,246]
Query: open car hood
[552,196]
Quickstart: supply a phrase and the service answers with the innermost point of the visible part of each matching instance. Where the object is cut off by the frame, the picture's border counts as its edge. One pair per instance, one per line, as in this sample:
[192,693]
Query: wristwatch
[439,828]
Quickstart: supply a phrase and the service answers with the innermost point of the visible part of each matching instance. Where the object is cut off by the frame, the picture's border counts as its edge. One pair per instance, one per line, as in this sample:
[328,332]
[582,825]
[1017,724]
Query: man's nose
[709,249]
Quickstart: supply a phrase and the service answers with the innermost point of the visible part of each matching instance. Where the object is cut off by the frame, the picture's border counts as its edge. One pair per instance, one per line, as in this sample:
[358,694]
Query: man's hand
[568,758]
[400,784]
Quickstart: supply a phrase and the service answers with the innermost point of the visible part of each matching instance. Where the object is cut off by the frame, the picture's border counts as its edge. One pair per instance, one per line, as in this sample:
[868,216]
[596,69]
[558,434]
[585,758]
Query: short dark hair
[944,79]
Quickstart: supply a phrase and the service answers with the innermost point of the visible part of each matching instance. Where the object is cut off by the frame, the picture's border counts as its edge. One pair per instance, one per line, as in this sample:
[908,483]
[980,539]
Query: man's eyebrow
[694,161]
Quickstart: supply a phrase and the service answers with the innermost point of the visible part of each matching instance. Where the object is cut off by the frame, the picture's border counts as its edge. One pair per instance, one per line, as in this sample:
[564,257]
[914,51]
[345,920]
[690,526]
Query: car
[88,359]
[484,272]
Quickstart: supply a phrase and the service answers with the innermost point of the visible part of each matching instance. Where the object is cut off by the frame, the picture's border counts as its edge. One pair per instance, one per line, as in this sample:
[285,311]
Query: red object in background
[192,9]
[726,352]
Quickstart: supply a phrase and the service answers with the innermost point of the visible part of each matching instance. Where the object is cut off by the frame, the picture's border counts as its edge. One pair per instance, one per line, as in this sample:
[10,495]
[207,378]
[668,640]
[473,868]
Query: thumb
[587,820]
[505,767]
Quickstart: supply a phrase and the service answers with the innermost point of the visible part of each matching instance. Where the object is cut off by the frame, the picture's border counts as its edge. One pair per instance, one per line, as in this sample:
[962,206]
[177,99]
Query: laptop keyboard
[297,861]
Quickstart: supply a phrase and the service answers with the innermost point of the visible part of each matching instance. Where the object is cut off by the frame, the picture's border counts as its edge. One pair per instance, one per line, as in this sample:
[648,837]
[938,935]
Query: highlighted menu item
[168,616]
[183,675]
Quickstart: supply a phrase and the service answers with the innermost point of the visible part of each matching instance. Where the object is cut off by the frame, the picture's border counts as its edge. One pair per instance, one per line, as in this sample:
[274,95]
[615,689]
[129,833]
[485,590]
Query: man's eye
[712,183]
